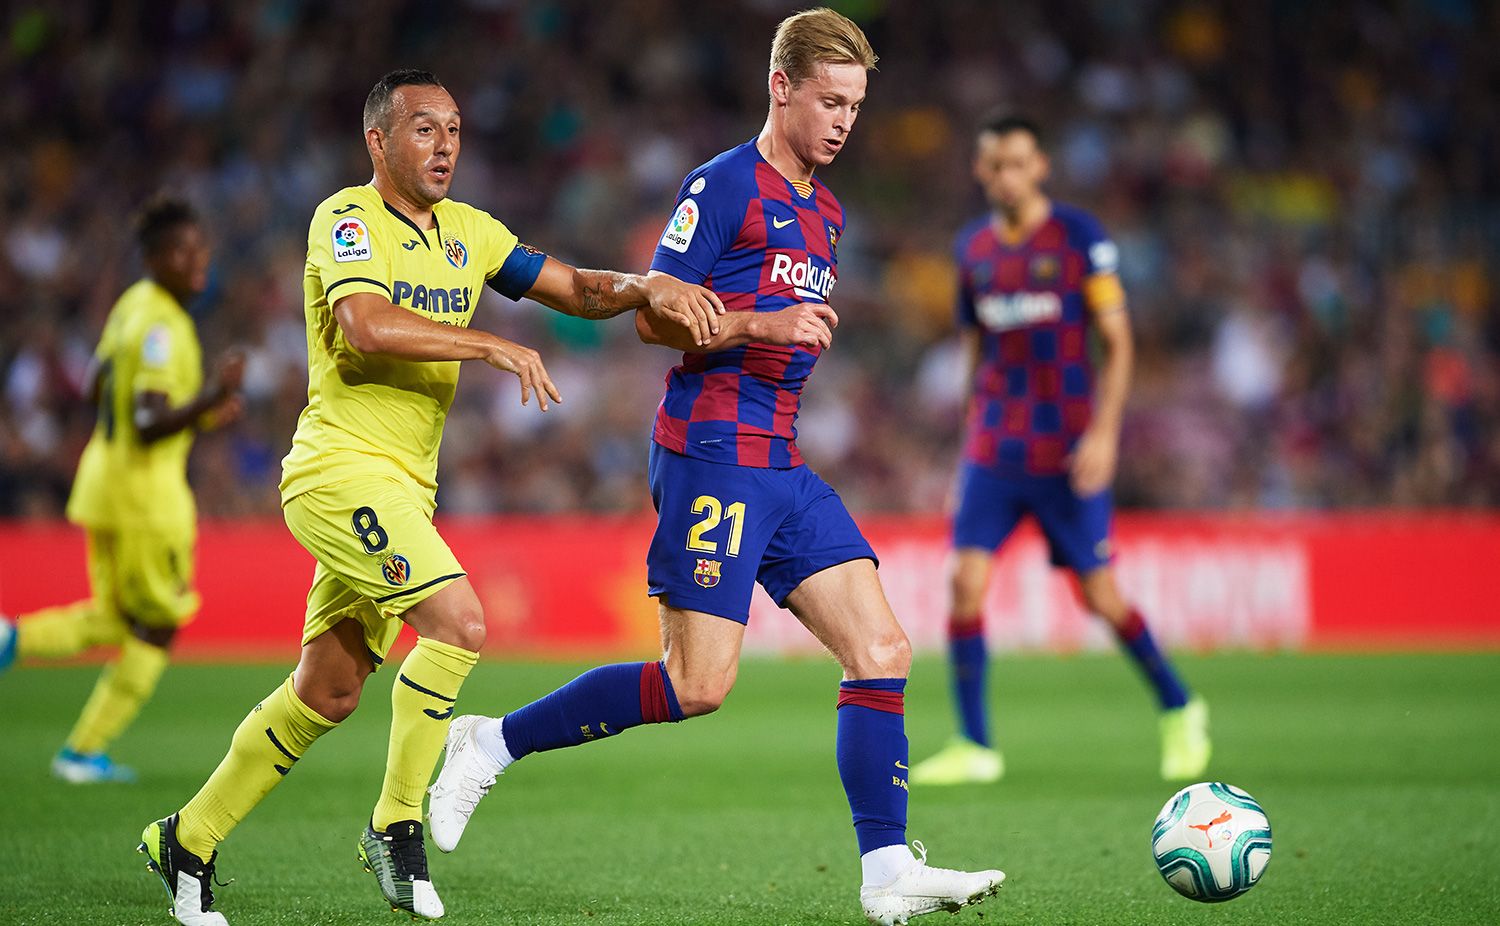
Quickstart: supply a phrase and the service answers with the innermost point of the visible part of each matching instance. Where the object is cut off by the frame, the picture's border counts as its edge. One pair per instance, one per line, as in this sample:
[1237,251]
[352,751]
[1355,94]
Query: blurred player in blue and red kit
[1036,278]
[736,503]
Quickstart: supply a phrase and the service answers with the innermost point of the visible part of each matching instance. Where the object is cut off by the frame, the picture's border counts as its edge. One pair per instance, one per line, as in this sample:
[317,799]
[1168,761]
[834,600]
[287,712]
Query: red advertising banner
[574,585]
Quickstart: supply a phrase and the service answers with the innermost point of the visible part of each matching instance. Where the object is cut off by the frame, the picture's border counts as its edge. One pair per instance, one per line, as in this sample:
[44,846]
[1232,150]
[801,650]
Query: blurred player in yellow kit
[394,271]
[131,493]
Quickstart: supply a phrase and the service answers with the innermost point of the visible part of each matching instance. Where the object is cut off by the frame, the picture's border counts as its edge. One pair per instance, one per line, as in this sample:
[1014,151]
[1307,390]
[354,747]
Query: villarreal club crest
[396,570]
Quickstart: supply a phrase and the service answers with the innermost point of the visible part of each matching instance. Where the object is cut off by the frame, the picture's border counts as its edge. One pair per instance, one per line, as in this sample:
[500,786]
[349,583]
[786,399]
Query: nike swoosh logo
[780,224]
[900,766]
[438,715]
[349,208]
[411,244]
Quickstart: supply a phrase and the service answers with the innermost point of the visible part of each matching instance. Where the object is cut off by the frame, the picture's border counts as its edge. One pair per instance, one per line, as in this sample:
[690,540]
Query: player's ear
[1043,167]
[780,86]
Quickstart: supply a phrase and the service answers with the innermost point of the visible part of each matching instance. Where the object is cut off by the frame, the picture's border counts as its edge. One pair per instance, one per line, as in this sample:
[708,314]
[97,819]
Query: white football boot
[467,775]
[189,880]
[921,889]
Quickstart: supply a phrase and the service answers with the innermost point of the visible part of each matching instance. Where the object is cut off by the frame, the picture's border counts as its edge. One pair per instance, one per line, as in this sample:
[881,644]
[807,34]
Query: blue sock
[599,703]
[872,756]
[1138,642]
[970,662]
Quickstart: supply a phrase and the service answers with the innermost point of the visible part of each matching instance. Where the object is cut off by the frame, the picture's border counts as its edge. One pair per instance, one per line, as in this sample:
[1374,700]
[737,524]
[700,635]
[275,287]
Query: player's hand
[806,324]
[226,412]
[693,307]
[1091,467]
[527,365]
[229,372]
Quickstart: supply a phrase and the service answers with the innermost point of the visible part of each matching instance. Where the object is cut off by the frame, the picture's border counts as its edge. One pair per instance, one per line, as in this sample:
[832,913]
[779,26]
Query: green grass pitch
[1381,776]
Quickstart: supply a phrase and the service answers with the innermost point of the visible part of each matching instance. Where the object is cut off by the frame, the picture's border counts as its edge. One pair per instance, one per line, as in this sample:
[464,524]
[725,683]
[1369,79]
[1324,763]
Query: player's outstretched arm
[806,324]
[372,324]
[216,404]
[602,294]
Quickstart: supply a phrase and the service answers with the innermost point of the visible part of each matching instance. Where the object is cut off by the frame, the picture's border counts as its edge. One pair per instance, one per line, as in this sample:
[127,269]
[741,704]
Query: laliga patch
[706,572]
[679,233]
[1105,256]
[396,570]
[351,240]
[156,349]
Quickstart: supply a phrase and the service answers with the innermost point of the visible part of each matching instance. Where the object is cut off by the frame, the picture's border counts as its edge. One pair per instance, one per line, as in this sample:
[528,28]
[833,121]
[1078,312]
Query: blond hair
[813,37]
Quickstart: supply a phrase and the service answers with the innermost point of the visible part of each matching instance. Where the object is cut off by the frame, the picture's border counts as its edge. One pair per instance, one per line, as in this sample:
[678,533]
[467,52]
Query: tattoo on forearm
[601,294]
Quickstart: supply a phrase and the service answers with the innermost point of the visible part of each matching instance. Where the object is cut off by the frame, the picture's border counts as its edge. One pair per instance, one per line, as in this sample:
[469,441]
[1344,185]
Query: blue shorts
[721,528]
[1076,528]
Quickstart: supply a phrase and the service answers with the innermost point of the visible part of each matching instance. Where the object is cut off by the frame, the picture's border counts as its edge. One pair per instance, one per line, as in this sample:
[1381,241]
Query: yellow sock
[270,738]
[123,688]
[54,633]
[422,700]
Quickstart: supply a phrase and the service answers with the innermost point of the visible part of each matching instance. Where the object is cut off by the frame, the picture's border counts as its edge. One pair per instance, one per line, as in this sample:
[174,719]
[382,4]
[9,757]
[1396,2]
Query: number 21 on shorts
[713,512]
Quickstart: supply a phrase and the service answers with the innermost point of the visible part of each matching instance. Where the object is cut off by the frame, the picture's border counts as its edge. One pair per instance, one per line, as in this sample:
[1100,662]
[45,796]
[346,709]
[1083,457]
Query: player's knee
[159,637]
[885,655]
[700,696]
[332,700]
[967,587]
[464,628]
[1105,602]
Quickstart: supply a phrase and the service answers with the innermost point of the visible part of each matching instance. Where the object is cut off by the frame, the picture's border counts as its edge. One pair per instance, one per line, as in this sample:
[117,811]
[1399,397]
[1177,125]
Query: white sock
[490,737]
[886,864]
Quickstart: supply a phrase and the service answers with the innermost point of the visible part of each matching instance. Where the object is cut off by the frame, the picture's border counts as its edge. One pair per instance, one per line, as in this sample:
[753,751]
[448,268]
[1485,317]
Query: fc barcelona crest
[707,572]
[1045,268]
[396,569]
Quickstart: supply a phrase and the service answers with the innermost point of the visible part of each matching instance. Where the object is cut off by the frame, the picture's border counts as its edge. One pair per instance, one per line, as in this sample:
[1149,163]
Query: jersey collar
[437,226]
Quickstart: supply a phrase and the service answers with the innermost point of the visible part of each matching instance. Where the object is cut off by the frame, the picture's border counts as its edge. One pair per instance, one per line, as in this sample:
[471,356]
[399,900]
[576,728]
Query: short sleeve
[704,224]
[167,354]
[1100,254]
[346,254]
[1101,261]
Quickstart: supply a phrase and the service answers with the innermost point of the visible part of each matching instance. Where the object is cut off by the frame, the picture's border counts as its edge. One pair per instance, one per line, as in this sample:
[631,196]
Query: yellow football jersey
[149,344]
[375,414]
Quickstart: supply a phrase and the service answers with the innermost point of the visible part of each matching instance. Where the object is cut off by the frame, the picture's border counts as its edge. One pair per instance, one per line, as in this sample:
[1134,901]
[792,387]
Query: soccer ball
[1211,842]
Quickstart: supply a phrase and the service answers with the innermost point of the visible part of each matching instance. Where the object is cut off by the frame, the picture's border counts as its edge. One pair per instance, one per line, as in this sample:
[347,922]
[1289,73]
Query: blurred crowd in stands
[1306,198]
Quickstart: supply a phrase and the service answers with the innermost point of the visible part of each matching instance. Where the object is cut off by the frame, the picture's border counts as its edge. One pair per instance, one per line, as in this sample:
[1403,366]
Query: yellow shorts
[144,576]
[378,555]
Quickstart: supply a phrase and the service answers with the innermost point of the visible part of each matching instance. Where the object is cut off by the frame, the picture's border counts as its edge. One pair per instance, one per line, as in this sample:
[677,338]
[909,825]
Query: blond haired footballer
[394,271]
[131,493]
[736,504]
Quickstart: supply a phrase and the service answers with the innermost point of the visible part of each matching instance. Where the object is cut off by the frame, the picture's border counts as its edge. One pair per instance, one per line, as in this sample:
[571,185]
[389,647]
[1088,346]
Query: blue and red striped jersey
[762,243]
[1033,388]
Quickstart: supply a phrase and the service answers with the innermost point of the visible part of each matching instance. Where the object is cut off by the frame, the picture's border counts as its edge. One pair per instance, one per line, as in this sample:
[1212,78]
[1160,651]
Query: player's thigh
[378,555]
[1076,527]
[154,576]
[107,624]
[702,655]
[818,534]
[331,603]
[845,607]
[713,524]
[989,508]
[452,615]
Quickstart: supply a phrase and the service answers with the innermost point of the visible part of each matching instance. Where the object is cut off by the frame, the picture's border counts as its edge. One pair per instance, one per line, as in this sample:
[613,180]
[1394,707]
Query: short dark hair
[1004,123]
[378,103]
[161,215]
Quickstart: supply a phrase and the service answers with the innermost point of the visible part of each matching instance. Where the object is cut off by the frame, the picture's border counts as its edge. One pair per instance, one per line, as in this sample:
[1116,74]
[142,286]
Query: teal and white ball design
[1211,842]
